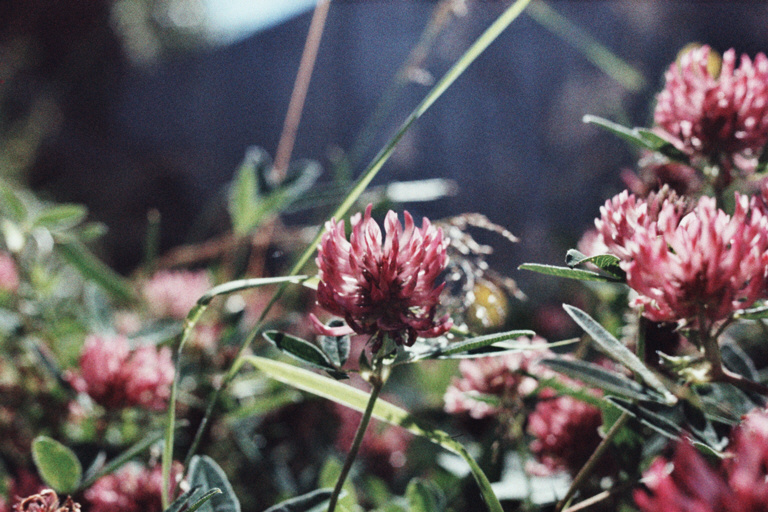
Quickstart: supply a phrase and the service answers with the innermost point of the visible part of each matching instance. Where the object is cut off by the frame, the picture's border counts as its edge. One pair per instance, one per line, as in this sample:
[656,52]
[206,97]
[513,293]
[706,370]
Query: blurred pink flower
[687,483]
[9,277]
[114,376]
[382,289]
[498,378]
[132,488]
[565,432]
[716,115]
[383,447]
[173,293]
[45,501]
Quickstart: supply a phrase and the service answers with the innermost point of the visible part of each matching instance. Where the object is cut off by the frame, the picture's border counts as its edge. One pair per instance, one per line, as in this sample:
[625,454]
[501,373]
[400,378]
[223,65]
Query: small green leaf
[756,313]
[182,500]
[474,347]
[204,499]
[616,350]
[315,501]
[662,146]
[605,262]
[304,351]
[244,193]
[12,205]
[58,465]
[570,273]
[336,347]
[598,377]
[422,497]
[61,216]
[203,471]
[94,270]
[662,420]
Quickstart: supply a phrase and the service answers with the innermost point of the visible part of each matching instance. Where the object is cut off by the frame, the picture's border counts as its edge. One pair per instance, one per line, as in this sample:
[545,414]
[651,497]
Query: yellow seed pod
[714,60]
[490,307]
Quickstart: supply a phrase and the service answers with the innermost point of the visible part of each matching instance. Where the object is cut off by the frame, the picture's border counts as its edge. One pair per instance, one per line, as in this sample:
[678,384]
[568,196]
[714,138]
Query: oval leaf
[62,216]
[336,347]
[616,350]
[58,465]
[303,351]
[598,377]
[203,471]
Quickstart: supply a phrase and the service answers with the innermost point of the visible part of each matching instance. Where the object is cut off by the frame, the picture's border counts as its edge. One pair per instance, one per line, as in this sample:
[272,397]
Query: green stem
[376,385]
[585,471]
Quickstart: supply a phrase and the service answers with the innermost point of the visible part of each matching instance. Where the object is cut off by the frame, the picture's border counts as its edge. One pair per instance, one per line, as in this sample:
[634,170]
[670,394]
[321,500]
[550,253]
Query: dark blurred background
[130,105]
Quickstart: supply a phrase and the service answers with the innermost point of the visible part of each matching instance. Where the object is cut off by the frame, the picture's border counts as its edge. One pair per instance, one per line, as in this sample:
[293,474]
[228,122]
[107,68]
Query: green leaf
[662,146]
[11,204]
[182,500]
[605,262]
[304,351]
[315,501]
[60,217]
[204,499]
[616,350]
[383,411]
[482,346]
[595,376]
[422,497]
[94,270]
[243,195]
[329,475]
[58,465]
[336,347]
[640,137]
[203,471]
[569,273]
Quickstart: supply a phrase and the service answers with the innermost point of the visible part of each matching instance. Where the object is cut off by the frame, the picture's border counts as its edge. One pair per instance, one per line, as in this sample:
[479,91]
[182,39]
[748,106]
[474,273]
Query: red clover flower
[382,289]
[45,501]
[713,115]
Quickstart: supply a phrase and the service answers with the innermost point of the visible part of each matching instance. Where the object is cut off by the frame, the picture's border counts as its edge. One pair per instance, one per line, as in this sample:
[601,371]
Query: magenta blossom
[688,265]
[172,293]
[115,376]
[132,488]
[688,483]
[712,115]
[382,289]
[499,377]
[565,432]
[9,277]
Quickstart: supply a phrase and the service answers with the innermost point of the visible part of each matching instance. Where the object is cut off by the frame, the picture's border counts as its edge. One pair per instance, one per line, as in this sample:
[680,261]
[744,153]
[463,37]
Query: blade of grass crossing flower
[383,411]
[189,325]
[474,51]
[615,349]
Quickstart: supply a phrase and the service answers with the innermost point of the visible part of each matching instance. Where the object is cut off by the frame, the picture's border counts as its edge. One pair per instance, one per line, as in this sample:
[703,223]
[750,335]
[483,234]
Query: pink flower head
[9,277]
[688,483]
[498,377]
[173,293]
[382,289]
[688,264]
[132,488]
[712,115]
[565,432]
[115,376]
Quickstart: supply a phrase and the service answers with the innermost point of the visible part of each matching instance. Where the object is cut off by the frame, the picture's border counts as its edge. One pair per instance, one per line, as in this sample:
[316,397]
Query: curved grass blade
[384,411]
[616,350]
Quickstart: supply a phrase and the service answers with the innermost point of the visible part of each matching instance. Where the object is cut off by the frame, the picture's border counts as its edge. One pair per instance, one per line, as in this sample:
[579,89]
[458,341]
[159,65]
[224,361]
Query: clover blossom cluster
[713,114]
[687,482]
[382,288]
[172,293]
[688,263]
[487,383]
[132,488]
[116,376]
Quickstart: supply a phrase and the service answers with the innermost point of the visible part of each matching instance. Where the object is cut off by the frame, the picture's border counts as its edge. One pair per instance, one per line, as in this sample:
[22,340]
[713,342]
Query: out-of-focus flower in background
[172,293]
